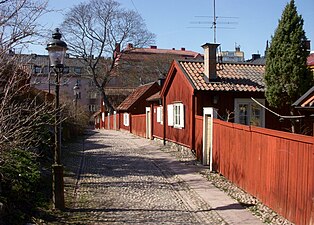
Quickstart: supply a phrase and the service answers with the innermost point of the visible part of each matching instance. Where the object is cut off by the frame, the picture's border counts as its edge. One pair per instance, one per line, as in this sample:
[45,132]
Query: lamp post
[56,50]
[76,90]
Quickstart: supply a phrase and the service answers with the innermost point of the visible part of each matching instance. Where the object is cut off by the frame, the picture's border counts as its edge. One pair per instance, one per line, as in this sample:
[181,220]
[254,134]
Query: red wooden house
[227,88]
[134,110]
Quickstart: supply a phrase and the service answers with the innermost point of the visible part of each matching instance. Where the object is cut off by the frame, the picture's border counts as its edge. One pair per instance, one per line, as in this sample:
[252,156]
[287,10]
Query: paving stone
[125,179]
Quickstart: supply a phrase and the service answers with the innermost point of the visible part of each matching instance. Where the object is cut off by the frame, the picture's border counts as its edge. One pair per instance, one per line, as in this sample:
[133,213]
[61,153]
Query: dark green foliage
[287,76]
[20,179]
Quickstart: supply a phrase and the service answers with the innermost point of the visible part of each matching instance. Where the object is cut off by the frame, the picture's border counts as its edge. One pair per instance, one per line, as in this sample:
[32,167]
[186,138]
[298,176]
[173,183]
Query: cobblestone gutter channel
[118,182]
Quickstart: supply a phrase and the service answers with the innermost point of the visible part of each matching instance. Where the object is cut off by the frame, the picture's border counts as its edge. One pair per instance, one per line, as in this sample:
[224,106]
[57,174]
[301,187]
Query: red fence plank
[139,125]
[274,166]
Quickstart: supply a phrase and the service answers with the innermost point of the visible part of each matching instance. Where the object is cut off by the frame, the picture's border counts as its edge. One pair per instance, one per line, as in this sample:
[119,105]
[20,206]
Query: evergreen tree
[287,75]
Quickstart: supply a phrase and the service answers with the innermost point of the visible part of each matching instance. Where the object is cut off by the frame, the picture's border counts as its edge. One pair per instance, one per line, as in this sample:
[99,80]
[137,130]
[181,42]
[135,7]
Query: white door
[114,120]
[148,123]
[208,115]
[108,121]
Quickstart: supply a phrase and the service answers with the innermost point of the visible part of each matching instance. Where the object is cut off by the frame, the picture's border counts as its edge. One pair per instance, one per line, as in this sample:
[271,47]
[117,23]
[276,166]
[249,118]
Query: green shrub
[19,184]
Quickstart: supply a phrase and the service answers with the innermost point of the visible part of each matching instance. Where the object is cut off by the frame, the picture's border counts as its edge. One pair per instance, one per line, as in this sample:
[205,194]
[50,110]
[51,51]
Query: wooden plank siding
[180,92]
[121,125]
[157,127]
[199,137]
[139,125]
[276,167]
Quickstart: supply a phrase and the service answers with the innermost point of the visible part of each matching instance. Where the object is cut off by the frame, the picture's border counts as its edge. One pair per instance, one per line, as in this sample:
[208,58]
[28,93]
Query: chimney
[308,45]
[161,81]
[256,56]
[153,47]
[130,46]
[117,50]
[182,49]
[210,60]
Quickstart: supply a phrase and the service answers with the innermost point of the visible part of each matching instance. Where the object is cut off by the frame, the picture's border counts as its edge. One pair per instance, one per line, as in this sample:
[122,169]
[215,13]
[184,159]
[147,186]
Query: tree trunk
[108,106]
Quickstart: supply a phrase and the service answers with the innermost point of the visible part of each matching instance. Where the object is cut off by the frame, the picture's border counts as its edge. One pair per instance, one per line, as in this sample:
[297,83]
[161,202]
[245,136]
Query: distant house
[310,61]
[138,66]
[75,73]
[226,87]
[134,112]
[305,106]
[231,56]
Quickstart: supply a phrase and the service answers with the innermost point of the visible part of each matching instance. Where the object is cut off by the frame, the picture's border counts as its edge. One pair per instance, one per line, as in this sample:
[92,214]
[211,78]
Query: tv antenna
[214,23]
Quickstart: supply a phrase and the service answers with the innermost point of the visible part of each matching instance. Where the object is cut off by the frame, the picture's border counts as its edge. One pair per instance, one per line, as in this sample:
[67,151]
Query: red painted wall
[226,103]
[199,137]
[122,127]
[179,90]
[157,127]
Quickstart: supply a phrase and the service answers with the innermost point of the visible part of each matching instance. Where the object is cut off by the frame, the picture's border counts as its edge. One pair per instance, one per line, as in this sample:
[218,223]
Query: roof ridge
[150,83]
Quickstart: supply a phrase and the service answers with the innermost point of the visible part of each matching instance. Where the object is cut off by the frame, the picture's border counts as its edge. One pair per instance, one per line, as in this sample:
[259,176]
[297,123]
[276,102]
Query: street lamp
[56,50]
[76,90]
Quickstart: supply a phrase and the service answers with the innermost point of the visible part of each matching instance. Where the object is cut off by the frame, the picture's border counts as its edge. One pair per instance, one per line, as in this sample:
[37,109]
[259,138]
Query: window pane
[176,115]
[243,114]
[77,70]
[255,115]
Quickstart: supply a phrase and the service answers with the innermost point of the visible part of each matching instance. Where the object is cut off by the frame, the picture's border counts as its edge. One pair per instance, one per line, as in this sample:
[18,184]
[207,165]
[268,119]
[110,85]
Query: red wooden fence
[139,125]
[276,167]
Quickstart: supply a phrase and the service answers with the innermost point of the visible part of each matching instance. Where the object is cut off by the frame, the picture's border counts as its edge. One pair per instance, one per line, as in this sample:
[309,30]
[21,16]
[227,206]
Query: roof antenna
[214,23]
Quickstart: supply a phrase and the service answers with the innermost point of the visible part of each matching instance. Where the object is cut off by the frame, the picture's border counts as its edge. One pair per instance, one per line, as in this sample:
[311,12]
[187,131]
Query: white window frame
[92,108]
[92,95]
[176,115]
[249,102]
[126,119]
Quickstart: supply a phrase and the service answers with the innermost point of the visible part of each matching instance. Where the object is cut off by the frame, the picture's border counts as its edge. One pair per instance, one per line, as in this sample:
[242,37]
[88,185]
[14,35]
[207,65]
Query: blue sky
[253,22]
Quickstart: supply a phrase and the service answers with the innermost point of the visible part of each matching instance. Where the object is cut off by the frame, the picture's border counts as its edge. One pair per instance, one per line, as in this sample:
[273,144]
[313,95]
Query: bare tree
[18,23]
[94,29]
[143,68]
[23,111]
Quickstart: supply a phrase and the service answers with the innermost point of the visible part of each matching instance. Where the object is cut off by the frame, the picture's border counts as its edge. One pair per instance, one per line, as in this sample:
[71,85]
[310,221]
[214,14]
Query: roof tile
[134,96]
[230,76]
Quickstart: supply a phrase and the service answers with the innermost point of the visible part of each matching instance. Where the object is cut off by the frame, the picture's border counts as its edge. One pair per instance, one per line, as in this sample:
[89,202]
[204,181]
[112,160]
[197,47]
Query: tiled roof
[306,100]
[310,60]
[230,76]
[163,51]
[154,97]
[134,96]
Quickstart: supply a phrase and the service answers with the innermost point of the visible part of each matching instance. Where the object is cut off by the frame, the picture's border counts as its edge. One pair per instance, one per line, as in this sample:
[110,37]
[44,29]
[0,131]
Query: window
[91,83]
[77,70]
[176,115]
[45,70]
[92,95]
[159,114]
[92,108]
[248,112]
[66,70]
[126,119]
[37,69]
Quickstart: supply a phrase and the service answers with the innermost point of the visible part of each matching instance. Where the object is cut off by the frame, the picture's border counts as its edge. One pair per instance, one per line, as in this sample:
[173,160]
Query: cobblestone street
[125,179]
